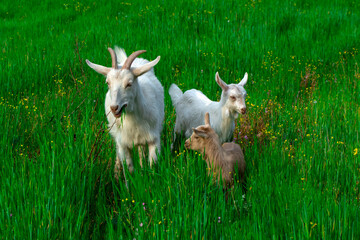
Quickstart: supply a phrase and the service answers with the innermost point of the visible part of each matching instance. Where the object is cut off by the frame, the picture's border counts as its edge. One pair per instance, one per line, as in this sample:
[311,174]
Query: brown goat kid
[223,159]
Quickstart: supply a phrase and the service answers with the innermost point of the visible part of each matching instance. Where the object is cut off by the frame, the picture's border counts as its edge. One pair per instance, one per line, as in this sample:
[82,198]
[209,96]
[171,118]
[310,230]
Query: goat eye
[232,98]
[128,85]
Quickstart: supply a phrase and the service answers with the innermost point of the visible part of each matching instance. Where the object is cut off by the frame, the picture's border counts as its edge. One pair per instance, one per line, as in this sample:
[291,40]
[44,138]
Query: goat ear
[244,80]
[221,83]
[143,69]
[100,69]
[207,118]
[200,133]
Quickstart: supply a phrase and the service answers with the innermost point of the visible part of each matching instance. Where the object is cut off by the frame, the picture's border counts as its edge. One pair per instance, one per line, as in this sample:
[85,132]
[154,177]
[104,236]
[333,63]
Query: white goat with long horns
[136,101]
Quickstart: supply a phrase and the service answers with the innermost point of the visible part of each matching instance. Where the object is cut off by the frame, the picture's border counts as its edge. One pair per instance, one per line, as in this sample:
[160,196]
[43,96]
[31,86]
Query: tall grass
[300,136]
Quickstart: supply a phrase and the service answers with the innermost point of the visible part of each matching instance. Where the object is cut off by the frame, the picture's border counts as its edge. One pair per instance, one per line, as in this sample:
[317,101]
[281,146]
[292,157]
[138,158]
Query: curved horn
[113,58]
[131,58]
[100,69]
[207,118]
[244,80]
[220,82]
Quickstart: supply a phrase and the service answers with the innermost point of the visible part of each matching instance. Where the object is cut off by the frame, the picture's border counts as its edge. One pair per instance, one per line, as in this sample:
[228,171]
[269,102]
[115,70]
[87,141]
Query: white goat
[135,90]
[222,160]
[193,104]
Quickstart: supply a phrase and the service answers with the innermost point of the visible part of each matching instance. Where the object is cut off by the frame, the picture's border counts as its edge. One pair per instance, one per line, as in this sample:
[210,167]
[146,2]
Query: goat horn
[113,58]
[207,118]
[131,58]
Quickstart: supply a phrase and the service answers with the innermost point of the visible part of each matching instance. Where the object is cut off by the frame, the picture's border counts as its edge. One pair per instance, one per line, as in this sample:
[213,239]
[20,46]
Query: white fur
[141,123]
[192,105]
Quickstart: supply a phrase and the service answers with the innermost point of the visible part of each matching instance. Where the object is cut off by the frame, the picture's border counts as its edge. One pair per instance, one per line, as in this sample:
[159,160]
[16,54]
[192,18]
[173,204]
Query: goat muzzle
[243,110]
[187,143]
[116,110]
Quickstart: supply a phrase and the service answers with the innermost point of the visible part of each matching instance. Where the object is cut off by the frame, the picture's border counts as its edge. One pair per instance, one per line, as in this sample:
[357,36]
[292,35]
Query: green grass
[300,136]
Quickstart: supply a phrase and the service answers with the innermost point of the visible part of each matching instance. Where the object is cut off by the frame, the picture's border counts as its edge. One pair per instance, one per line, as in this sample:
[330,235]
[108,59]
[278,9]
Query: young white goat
[222,159]
[191,107]
[135,90]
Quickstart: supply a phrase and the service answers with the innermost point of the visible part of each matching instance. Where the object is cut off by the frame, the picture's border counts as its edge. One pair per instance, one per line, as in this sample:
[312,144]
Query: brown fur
[221,160]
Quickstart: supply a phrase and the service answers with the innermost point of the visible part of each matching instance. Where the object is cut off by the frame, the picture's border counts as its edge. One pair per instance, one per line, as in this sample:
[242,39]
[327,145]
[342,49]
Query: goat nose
[114,108]
[243,110]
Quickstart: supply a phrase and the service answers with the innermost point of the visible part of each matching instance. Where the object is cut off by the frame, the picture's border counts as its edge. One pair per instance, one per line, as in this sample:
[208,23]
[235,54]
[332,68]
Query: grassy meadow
[300,135]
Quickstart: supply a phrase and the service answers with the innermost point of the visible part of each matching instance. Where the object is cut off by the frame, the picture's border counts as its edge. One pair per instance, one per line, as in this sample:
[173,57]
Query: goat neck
[224,117]
[213,152]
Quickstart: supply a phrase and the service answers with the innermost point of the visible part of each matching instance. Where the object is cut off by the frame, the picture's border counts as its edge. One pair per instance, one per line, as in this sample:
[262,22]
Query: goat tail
[175,93]
[120,55]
